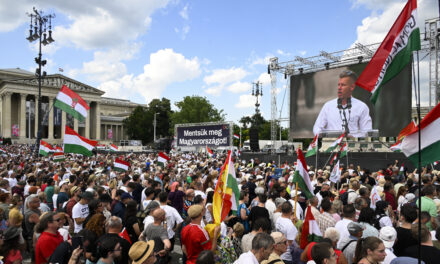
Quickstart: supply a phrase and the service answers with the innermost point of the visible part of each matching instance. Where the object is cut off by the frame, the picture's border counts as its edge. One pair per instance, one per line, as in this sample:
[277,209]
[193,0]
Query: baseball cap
[409,197]
[259,177]
[126,195]
[64,182]
[388,235]
[354,228]
[195,210]
[278,237]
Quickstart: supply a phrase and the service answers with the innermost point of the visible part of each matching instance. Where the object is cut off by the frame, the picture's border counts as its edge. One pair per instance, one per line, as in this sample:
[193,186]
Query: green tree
[134,124]
[196,109]
[162,109]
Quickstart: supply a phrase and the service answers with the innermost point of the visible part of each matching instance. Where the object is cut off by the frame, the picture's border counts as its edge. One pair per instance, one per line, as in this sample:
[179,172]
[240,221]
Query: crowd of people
[82,210]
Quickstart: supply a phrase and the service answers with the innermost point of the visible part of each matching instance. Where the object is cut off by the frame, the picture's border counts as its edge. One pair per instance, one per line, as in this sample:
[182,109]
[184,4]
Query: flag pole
[296,200]
[420,162]
[37,141]
[317,152]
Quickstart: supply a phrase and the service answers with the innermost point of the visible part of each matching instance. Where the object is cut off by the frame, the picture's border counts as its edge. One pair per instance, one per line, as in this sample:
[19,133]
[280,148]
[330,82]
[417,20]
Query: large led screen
[309,92]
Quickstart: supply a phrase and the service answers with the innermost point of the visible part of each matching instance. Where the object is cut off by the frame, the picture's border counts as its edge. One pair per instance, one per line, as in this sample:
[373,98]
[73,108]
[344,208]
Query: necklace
[369,260]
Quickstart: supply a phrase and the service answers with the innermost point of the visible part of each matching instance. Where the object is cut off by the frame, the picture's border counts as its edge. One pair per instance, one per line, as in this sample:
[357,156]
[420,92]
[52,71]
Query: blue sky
[145,49]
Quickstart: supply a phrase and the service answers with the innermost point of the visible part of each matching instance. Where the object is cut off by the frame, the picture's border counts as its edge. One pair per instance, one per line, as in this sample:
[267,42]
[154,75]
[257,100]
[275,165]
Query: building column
[122,132]
[36,117]
[98,122]
[22,116]
[87,126]
[6,114]
[50,119]
[75,125]
[63,123]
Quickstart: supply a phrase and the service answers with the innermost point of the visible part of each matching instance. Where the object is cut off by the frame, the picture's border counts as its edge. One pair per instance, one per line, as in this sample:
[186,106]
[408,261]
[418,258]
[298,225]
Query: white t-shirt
[341,226]
[197,192]
[79,211]
[247,258]
[148,220]
[299,211]
[289,230]
[173,218]
[358,117]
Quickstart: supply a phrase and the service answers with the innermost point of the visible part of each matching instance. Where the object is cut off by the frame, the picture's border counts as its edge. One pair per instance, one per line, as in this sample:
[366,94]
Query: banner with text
[215,135]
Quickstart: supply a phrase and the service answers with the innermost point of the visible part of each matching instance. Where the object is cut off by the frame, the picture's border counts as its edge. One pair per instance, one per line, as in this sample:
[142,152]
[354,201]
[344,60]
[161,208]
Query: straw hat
[141,251]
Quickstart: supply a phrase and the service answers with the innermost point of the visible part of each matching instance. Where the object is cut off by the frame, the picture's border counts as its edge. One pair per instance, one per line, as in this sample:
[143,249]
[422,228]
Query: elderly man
[262,247]
[157,232]
[279,247]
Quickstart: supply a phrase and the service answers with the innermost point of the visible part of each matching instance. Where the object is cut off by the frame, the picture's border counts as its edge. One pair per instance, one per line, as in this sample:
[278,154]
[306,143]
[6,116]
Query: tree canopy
[196,109]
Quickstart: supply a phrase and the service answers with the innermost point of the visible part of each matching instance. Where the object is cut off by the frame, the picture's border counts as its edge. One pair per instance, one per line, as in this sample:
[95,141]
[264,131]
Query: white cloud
[184,12]
[214,90]
[264,78]
[165,67]
[302,52]
[239,87]
[245,101]
[225,76]
[13,14]
[255,60]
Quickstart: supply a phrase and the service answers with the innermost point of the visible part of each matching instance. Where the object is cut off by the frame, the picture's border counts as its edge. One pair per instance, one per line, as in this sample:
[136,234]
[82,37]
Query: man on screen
[345,109]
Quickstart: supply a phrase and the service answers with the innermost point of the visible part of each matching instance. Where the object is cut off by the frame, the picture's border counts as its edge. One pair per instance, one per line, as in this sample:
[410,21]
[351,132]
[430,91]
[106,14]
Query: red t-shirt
[46,245]
[195,239]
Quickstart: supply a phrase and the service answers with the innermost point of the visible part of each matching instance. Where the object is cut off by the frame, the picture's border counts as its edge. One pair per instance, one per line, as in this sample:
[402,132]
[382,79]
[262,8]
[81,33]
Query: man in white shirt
[262,246]
[355,111]
[349,216]
[81,210]
[285,225]
[173,218]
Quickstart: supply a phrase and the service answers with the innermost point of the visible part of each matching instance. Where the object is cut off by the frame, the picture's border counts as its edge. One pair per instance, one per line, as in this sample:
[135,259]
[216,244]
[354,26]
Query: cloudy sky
[145,49]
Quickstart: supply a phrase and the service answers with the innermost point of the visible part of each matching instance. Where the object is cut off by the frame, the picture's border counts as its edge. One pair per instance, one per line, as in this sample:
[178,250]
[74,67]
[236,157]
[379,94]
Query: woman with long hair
[15,215]
[370,250]
[367,219]
[96,224]
[243,212]
[131,221]
[209,218]
[401,200]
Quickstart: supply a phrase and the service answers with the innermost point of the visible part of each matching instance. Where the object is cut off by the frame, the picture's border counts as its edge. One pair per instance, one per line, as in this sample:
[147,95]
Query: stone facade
[19,107]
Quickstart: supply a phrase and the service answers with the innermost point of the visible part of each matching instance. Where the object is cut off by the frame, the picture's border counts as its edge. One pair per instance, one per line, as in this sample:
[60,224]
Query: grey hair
[332,234]
[262,240]
[350,74]
[30,198]
[259,190]
[114,222]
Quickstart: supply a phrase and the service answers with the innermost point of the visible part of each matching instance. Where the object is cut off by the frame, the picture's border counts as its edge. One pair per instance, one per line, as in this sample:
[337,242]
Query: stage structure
[359,54]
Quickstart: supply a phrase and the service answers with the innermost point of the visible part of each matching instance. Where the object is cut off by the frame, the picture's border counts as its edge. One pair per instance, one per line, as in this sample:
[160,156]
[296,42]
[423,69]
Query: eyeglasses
[57,220]
[282,242]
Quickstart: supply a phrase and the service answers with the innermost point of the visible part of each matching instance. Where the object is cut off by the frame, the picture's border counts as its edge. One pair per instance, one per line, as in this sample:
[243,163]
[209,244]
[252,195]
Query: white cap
[388,235]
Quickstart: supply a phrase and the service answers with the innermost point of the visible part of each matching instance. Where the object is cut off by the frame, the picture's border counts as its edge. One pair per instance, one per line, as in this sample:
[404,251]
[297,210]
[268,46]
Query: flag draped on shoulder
[227,194]
[310,232]
[302,176]
[71,103]
[45,148]
[430,139]
[394,53]
[336,143]
[162,159]
[313,147]
[74,143]
[121,165]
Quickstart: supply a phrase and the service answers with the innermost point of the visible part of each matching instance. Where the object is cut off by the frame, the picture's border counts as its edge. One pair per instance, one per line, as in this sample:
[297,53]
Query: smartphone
[77,241]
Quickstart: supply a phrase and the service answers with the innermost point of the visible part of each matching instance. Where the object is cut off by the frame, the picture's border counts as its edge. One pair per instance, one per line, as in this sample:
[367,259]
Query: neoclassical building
[19,107]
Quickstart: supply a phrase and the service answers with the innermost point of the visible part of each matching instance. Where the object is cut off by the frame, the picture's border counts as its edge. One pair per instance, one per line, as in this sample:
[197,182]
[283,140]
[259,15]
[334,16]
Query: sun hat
[141,251]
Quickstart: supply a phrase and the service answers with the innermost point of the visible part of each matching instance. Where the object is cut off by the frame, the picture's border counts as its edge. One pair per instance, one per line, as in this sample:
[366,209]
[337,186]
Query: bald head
[159,214]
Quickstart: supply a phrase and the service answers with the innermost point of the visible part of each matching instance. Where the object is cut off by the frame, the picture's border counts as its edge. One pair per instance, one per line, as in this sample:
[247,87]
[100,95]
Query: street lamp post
[41,23]
[154,127]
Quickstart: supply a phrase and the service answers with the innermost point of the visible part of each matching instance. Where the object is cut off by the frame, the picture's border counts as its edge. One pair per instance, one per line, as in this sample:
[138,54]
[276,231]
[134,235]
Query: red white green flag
[397,147]
[335,175]
[71,103]
[58,149]
[405,131]
[344,150]
[45,148]
[394,53]
[236,136]
[113,147]
[430,139]
[336,143]
[301,176]
[121,165]
[209,151]
[313,147]
[227,194]
[311,231]
[58,156]
[162,159]
[74,143]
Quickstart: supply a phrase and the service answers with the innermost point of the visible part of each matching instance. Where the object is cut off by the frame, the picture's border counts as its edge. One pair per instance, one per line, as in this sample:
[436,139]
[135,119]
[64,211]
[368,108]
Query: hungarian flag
[412,125]
[74,143]
[113,147]
[335,175]
[313,147]
[227,194]
[435,163]
[71,103]
[402,169]
[162,159]
[236,136]
[45,148]
[344,150]
[124,234]
[310,232]
[58,149]
[374,197]
[336,143]
[302,176]
[430,139]
[394,53]
[397,147]
[334,158]
[209,151]
[121,165]
[59,156]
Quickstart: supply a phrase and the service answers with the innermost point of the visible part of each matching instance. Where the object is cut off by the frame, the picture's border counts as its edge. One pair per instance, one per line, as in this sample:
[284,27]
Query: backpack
[344,197]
